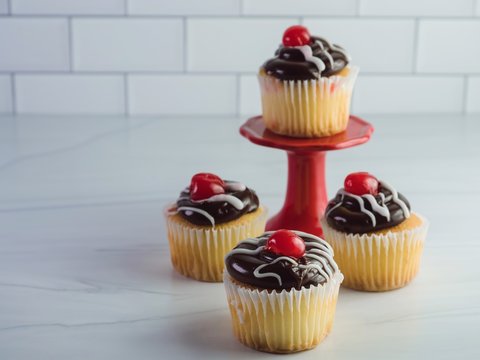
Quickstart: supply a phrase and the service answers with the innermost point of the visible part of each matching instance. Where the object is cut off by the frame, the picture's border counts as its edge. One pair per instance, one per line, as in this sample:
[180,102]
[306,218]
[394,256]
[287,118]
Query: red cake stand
[306,197]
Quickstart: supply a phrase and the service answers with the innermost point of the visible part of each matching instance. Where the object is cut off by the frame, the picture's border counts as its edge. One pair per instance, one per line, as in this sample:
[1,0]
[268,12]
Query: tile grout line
[465,94]
[13,89]
[70,44]
[416,42]
[241,7]
[238,99]
[357,8]
[9,7]
[247,16]
[185,47]
[125,94]
[223,73]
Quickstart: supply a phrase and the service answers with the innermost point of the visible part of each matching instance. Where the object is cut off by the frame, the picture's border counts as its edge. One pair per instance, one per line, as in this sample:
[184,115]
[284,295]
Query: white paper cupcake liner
[307,108]
[378,262]
[198,251]
[283,322]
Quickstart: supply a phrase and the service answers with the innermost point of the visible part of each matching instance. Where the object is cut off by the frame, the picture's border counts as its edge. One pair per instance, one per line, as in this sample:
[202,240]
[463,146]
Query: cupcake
[282,290]
[378,240]
[306,88]
[209,218]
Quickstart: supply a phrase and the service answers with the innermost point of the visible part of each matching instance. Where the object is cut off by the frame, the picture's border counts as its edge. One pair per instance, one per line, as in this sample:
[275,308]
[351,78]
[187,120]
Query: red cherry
[361,183]
[205,185]
[296,35]
[287,243]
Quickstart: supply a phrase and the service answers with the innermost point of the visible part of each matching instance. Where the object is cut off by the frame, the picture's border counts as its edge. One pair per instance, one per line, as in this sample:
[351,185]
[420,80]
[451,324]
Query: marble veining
[84,266]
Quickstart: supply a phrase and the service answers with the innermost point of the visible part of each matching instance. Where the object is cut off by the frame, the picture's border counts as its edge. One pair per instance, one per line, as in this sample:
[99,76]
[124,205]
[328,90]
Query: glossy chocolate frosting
[344,212]
[250,263]
[290,63]
[220,210]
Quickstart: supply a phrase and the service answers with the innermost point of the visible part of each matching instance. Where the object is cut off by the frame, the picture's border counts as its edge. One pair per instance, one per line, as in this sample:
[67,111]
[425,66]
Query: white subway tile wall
[182,94]
[473,99]
[427,8]
[37,44]
[449,46]
[375,45]
[68,7]
[184,7]
[408,94]
[5,94]
[187,57]
[300,8]
[127,44]
[70,93]
[218,45]
[249,95]
[3,6]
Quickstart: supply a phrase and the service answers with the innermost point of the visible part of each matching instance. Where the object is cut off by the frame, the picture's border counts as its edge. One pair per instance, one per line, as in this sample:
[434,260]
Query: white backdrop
[184,57]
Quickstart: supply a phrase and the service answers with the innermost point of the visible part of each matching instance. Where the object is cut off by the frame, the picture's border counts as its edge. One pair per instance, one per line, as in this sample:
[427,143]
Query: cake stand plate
[306,197]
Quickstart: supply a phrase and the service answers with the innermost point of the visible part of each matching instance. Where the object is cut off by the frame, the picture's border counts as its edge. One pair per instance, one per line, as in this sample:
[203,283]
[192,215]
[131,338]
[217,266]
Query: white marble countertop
[84,265]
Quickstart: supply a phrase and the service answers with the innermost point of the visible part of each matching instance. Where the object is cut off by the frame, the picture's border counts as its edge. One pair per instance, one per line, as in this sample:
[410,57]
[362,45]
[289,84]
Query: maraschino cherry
[361,183]
[205,185]
[296,35]
[286,243]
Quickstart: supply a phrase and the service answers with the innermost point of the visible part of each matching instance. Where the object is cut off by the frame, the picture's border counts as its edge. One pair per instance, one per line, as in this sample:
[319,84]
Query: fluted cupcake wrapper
[282,322]
[378,262]
[198,251]
[307,108]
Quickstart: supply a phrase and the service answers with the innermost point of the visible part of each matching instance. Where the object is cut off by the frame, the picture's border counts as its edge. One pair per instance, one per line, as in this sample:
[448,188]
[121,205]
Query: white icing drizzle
[325,52]
[396,199]
[244,251]
[314,254]
[380,209]
[235,186]
[253,241]
[318,267]
[335,48]
[361,203]
[257,273]
[308,54]
[232,200]
[322,252]
[200,211]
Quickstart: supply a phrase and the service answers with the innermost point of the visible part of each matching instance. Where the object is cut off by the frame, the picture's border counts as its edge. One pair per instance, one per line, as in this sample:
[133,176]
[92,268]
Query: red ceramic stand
[306,197]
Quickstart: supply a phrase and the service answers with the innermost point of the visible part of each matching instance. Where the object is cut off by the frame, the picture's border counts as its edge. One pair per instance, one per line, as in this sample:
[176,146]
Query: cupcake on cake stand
[306,91]
[306,197]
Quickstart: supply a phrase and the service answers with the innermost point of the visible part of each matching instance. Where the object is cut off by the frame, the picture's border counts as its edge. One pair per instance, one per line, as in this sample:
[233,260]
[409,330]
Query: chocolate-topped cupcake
[378,240]
[208,219]
[317,58]
[306,88]
[282,289]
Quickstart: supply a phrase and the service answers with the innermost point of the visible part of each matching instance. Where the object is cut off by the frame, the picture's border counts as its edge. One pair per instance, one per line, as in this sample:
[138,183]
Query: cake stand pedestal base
[306,197]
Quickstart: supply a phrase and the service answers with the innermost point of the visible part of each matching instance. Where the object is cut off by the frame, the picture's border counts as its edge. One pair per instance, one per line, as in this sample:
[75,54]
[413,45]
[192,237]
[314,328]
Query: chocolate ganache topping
[210,200]
[305,57]
[306,261]
[366,204]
